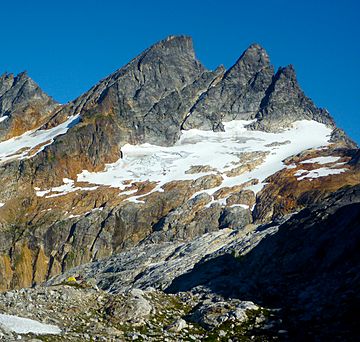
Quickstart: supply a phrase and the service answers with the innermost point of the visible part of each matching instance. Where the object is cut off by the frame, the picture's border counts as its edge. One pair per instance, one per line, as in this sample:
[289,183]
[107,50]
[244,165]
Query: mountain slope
[162,150]
[293,280]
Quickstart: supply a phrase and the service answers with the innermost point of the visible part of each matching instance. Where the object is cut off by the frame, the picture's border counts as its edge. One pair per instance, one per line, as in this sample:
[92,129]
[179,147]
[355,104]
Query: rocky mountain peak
[284,81]
[287,71]
[23,105]
[237,95]
[172,44]
[253,60]
[6,81]
[163,91]
[9,80]
[117,170]
[172,52]
[285,102]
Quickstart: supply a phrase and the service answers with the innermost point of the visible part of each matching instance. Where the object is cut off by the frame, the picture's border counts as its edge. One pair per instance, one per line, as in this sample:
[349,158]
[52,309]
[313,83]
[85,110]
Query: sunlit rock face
[161,150]
[23,105]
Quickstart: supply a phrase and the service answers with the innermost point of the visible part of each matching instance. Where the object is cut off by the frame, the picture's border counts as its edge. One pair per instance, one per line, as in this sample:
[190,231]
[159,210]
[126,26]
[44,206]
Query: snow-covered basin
[21,325]
[219,150]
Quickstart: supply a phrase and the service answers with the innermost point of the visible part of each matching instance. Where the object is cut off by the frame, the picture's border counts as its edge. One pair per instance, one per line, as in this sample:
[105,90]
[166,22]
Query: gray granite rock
[23,105]
[237,95]
[285,103]
[235,217]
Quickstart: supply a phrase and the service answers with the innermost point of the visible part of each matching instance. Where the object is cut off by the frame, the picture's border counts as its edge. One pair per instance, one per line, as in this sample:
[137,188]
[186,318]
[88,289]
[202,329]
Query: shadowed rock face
[309,268]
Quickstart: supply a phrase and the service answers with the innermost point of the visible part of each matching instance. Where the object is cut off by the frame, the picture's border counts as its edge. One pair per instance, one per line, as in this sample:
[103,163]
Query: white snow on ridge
[321,172]
[300,172]
[22,325]
[19,147]
[3,118]
[61,190]
[321,160]
[219,150]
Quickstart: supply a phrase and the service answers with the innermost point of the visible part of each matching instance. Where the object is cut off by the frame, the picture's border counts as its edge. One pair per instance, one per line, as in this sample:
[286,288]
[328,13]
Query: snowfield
[219,150]
[21,325]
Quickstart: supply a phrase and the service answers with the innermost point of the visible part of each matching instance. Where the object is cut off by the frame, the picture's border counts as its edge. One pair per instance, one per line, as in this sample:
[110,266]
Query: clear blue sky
[67,46]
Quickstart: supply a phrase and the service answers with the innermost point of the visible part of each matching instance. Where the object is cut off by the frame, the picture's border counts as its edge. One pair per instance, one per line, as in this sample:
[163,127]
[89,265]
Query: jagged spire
[253,59]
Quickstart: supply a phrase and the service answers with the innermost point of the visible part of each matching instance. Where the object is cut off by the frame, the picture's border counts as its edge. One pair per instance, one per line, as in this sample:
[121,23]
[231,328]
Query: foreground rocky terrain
[252,284]
[137,315]
[174,202]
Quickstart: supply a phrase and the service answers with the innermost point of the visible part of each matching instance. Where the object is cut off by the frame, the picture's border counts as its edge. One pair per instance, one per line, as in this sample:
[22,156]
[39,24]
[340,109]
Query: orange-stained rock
[246,197]
[226,191]
[6,272]
[41,267]
[285,193]
[22,265]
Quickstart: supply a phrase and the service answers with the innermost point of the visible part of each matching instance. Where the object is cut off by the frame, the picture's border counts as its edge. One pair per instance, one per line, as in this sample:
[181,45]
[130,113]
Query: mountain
[169,176]
[23,105]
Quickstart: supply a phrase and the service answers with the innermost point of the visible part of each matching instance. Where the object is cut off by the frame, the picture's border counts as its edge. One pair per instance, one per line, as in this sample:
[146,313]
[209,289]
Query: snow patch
[221,201]
[72,216]
[300,172]
[321,160]
[128,192]
[245,206]
[3,118]
[322,172]
[21,325]
[19,147]
[62,190]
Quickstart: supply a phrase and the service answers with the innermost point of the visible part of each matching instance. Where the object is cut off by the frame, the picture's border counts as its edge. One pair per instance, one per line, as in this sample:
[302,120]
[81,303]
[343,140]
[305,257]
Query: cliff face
[156,152]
